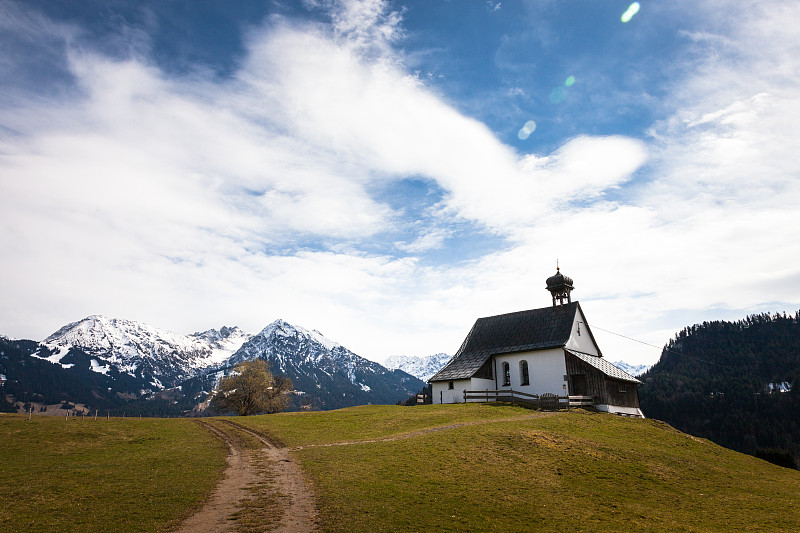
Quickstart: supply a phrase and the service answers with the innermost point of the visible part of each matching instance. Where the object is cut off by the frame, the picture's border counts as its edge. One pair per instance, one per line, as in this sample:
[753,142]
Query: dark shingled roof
[609,369]
[535,329]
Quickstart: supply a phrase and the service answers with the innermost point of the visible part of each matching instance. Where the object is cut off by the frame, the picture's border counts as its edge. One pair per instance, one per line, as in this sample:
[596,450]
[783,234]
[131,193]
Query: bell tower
[560,287]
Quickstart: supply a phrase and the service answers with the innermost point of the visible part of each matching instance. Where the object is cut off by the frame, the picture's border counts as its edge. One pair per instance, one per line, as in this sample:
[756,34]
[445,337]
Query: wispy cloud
[366,25]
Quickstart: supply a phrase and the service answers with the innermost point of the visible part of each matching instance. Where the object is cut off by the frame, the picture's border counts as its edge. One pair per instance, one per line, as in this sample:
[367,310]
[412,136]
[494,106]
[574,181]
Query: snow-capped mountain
[223,342]
[162,358]
[122,364]
[633,370]
[422,367]
[326,375]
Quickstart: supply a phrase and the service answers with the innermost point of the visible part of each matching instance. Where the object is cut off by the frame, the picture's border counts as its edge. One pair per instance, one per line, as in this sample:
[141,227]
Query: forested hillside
[726,381]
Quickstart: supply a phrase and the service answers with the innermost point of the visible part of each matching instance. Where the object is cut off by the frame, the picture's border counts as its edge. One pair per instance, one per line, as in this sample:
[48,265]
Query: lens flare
[630,12]
[558,95]
[570,81]
[526,130]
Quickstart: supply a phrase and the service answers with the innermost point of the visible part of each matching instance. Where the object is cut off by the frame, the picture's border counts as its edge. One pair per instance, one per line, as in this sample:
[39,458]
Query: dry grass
[387,468]
[570,471]
[104,475]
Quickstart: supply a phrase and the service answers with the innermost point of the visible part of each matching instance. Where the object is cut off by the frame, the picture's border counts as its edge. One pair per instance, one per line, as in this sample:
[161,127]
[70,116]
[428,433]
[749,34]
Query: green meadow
[86,475]
[461,467]
[510,469]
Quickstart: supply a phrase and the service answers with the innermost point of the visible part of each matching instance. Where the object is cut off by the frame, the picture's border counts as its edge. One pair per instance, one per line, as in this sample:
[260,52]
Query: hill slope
[714,381]
[478,467]
[465,467]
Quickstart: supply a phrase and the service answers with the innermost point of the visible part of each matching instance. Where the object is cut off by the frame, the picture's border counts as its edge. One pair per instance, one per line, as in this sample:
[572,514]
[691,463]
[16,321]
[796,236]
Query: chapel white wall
[441,393]
[546,370]
[580,340]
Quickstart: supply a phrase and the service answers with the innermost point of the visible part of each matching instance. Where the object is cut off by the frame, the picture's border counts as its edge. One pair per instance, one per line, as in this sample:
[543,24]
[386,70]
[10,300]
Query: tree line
[713,381]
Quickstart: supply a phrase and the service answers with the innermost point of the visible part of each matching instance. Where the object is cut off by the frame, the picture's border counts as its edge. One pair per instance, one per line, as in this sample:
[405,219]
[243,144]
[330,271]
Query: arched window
[506,375]
[523,371]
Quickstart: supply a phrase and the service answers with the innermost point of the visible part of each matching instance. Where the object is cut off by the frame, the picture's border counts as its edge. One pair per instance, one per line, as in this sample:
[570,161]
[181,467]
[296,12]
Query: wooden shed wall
[605,389]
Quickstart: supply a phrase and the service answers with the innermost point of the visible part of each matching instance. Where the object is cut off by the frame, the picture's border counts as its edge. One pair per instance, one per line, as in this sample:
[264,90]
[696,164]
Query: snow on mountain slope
[421,367]
[129,359]
[162,357]
[55,357]
[633,370]
[223,342]
[325,374]
[293,348]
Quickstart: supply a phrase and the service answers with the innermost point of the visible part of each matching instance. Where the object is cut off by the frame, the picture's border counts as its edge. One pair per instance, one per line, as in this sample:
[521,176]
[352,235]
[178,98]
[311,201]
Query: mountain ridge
[140,349]
[423,367]
[100,360]
[633,370]
[320,364]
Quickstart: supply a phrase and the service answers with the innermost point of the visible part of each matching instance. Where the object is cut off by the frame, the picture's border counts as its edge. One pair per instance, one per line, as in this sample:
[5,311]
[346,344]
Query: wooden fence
[544,401]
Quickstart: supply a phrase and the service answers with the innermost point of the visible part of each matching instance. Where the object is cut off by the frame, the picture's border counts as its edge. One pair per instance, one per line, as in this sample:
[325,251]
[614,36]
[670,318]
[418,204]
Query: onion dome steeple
[560,287]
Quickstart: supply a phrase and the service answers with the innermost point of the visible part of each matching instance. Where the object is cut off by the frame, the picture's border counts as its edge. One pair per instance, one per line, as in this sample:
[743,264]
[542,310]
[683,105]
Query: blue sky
[387,172]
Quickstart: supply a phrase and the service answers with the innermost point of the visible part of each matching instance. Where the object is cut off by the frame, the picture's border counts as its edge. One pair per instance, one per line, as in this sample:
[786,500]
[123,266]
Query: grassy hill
[473,467]
[387,468]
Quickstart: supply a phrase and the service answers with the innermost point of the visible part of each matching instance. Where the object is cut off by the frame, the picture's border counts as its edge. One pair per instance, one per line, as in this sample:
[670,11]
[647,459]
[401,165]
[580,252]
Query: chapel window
[523,371]
[506,375]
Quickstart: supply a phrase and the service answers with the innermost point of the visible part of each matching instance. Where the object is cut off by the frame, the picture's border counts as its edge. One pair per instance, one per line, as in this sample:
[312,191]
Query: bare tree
[251,388]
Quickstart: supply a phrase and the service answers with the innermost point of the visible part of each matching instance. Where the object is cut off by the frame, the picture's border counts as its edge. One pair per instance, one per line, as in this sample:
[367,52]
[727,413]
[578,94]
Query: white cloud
[366,24]
[388,125]
[183,200]
[585,167]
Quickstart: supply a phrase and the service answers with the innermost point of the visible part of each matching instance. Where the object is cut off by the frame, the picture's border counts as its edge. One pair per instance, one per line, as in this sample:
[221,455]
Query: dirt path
[300,512]
[263,489]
